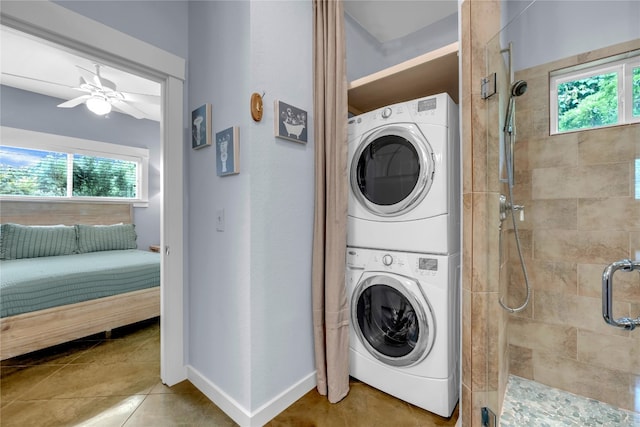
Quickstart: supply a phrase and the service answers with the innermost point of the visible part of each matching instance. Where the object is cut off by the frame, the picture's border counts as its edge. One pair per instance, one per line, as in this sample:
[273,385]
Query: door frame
[76,32]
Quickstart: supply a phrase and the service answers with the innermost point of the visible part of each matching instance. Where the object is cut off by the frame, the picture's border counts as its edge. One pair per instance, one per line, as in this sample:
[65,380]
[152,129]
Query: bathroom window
[40,166]
[596,94]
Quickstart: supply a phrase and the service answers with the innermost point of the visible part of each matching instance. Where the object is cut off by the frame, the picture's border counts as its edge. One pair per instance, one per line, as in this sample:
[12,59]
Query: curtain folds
[330,307]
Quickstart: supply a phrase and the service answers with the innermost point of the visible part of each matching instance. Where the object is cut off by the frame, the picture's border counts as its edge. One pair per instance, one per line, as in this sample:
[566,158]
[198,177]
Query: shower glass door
[579,189]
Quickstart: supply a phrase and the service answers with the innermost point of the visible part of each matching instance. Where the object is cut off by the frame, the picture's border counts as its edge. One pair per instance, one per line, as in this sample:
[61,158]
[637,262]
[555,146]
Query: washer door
[390,321]
[392,170]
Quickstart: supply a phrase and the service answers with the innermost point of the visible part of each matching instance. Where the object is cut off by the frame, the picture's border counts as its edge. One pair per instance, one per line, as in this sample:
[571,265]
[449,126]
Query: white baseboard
[269,410]
[237,412]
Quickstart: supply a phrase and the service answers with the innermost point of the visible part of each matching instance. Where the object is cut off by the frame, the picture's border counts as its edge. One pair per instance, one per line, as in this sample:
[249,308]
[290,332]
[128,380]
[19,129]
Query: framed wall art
[201,127]
[290,122]
[228,151]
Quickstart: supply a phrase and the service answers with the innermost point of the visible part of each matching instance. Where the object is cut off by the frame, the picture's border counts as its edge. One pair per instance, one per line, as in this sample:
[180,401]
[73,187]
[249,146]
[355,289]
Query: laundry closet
[403,230]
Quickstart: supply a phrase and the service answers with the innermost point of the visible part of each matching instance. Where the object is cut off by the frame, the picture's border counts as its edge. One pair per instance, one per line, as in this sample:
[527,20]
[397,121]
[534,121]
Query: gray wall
[552,30]
[282,201]
[219,262]
[31,111]
[366,55]
[162,23]
[249,302]
[250,284]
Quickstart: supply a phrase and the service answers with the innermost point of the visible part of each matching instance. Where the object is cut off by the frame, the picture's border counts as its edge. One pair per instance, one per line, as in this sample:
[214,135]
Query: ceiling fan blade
[86,84]
[129,109]
[141,98]
[15,76]
[82,89]
[89,77]
[75,101]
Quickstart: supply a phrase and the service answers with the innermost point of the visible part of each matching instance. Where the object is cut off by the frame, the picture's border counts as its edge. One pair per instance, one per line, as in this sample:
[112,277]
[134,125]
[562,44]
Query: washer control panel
[417,265]
[432,270]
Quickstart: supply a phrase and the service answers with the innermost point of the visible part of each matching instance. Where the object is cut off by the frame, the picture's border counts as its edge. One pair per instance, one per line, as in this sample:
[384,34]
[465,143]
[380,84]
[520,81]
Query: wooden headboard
[63,212]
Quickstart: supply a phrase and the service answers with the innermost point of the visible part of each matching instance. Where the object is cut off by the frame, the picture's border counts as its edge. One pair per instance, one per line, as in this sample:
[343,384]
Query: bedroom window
[596,94]
[36,166]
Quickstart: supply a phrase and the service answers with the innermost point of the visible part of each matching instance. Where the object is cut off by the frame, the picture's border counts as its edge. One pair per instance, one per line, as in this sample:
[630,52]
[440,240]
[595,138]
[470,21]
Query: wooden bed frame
[33,331]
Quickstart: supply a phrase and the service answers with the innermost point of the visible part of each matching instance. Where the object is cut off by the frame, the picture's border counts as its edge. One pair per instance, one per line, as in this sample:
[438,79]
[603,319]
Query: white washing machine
[404,333]
[404,177]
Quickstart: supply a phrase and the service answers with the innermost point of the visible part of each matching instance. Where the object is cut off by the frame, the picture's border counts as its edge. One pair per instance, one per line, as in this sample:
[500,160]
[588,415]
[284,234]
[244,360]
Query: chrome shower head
[518,88]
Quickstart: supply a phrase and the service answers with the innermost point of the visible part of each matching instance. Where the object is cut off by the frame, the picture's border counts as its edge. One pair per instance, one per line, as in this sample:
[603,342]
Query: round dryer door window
[392,169]
[390,321]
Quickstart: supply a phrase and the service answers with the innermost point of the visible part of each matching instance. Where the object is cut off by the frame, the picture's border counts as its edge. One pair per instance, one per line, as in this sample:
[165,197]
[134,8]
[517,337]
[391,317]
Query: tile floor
[115,381]
[528,403]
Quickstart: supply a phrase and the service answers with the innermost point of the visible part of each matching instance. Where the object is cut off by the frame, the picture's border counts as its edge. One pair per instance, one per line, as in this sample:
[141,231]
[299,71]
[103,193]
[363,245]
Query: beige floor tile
[115,381]
[180,388]
[190,409]
[364,406]
[58,355]
[139,349]
[81,412]
[18,381]
[93,380]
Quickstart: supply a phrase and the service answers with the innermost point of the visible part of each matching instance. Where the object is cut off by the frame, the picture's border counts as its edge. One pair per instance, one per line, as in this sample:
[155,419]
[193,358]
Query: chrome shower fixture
[506,207]
[518,88]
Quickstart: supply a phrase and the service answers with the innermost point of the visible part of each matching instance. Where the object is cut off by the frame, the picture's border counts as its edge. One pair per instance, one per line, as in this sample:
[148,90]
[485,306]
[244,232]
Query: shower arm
[509,51]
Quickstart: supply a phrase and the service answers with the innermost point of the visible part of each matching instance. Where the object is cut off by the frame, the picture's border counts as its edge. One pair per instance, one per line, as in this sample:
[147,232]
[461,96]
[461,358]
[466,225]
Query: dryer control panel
[433,110]
[427,264]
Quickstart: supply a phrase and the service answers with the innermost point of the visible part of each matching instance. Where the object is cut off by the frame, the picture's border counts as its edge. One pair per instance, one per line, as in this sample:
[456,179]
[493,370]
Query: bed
[72,295]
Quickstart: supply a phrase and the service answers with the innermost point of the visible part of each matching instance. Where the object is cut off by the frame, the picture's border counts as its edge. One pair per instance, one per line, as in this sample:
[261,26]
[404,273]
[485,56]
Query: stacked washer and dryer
[403,251]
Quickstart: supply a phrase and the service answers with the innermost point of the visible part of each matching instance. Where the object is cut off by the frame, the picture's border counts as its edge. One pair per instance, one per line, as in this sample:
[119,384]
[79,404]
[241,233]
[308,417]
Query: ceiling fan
[102,96]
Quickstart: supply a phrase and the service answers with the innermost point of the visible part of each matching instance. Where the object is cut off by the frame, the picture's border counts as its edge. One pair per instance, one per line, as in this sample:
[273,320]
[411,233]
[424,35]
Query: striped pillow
[95,238]
[32,241]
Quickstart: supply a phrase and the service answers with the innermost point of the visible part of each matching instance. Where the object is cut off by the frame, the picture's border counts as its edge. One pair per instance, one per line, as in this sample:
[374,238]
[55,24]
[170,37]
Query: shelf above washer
[429,74]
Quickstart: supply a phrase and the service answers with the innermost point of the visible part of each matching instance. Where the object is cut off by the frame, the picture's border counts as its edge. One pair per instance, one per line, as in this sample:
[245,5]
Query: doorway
[75,32]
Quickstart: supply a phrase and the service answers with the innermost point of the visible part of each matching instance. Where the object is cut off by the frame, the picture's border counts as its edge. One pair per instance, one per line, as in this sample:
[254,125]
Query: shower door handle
[607,294]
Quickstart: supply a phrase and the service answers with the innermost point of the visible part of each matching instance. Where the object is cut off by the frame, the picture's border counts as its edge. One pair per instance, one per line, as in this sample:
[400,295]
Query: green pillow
[32,241]
[94,238]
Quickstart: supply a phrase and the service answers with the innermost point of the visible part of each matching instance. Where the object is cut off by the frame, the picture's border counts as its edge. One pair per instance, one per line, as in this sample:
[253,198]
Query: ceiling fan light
[98,105]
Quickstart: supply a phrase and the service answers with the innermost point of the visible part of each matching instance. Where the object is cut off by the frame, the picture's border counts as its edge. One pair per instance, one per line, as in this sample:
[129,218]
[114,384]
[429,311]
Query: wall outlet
[220,220]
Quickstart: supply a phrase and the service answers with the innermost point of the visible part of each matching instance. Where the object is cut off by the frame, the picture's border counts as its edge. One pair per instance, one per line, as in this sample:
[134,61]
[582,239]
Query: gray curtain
[330,307]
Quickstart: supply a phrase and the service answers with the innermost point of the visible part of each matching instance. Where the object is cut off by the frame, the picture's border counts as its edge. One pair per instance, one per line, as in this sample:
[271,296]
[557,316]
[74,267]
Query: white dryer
[404,333]
[404,177]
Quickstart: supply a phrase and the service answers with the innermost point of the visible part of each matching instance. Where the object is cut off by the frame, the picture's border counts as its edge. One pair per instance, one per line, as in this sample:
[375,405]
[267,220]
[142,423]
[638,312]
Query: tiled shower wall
[580,215]
[483,331]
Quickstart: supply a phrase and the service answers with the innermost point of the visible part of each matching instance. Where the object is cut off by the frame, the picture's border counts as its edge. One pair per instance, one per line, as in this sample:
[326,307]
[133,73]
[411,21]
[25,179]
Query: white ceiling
[31,64]
[391,19]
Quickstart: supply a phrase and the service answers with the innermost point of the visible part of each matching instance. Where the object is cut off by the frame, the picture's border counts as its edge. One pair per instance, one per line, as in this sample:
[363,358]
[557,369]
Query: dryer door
[392,169]
[395,325]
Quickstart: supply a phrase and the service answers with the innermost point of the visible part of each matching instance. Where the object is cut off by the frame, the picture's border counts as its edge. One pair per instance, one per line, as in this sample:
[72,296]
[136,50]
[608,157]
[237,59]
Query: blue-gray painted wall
[366,55]
[550,30]
[27,110]
[249,287]
[219,262]
[162,23]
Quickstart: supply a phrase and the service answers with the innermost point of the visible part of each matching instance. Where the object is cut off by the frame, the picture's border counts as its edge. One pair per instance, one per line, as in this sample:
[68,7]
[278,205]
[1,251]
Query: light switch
[220,220]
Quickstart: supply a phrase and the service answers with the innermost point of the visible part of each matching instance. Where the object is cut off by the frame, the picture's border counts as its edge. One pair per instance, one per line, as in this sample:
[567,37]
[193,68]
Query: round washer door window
[390,322]
[392,170]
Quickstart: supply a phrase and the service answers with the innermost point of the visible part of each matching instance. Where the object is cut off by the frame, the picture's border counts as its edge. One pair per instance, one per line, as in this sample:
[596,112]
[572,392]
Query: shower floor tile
[528,403]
